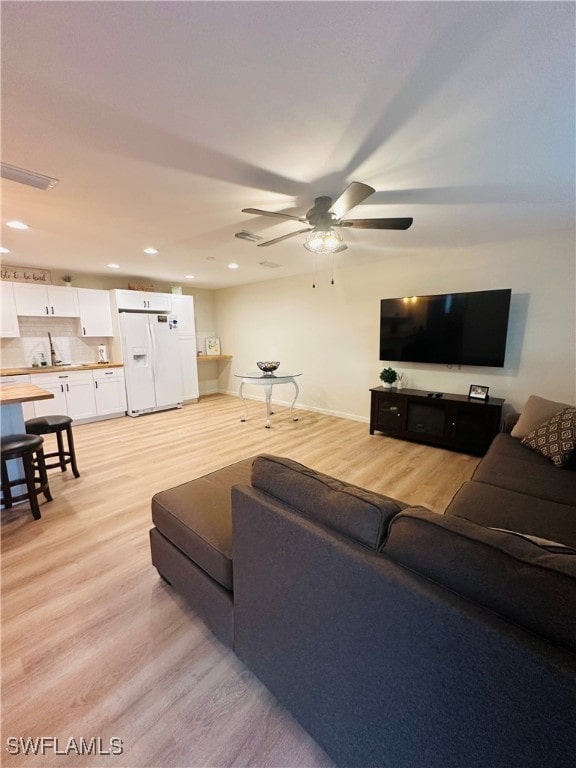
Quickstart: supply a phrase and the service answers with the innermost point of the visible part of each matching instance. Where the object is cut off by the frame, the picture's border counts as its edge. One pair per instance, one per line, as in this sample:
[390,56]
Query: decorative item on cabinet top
[25,275]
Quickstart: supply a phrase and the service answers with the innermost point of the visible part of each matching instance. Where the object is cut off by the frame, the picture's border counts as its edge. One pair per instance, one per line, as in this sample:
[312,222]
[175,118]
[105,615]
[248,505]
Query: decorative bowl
[268,367]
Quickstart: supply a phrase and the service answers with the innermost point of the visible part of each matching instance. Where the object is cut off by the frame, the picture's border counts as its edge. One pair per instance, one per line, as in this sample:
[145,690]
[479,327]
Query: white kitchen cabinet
[95,312]
[189,362]
[110,391]
[143,300]
[73,394]
[9,319]
[183,308]
[51,383]
[45,300]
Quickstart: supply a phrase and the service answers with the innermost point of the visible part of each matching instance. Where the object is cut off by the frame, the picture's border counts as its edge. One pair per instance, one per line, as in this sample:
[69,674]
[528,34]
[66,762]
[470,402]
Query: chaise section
[191,543]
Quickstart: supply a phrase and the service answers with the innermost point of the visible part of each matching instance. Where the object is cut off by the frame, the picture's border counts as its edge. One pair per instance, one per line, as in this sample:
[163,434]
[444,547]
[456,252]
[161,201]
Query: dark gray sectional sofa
[395,635]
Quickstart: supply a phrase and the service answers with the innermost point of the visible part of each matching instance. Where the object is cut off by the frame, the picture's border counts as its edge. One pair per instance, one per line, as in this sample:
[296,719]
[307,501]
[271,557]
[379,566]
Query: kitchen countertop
[57,368]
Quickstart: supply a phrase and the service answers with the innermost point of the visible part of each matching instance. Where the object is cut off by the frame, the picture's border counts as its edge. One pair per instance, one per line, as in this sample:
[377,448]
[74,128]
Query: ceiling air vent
[243,235]
[30,178]
[269,264]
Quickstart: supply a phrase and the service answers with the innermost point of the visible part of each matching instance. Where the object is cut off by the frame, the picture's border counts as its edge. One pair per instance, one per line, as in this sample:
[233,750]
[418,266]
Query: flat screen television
[452,328]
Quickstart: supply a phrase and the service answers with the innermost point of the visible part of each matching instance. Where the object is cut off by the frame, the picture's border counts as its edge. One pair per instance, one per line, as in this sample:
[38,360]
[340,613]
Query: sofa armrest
[509,421]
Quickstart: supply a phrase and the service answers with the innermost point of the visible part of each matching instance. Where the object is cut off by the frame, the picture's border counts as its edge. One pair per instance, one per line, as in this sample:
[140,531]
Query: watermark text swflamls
[46,745]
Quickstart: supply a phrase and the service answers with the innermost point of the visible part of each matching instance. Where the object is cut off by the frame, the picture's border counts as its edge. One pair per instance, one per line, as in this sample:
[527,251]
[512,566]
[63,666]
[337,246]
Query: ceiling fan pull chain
[332,280]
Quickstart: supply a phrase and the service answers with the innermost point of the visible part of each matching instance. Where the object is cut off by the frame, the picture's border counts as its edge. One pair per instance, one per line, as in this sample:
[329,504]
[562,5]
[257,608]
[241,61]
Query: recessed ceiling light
[233,265]
[189,277]
[114,266]
[17,225]
[4,250]
[151,251]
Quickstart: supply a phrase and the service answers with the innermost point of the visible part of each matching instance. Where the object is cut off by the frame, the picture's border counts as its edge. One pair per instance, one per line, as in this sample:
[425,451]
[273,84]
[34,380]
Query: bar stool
[29,449]
[47,425]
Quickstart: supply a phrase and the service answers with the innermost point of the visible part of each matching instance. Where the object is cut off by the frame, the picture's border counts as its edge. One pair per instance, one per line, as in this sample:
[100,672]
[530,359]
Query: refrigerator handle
[152,347]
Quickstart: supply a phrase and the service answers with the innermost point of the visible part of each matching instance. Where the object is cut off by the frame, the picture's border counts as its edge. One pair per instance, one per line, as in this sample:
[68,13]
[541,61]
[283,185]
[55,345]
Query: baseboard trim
[298,406]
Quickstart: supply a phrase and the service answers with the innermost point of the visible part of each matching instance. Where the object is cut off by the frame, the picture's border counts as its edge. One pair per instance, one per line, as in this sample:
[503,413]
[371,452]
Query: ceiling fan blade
[377,223]
[284,237]
[258,212]
[354,194]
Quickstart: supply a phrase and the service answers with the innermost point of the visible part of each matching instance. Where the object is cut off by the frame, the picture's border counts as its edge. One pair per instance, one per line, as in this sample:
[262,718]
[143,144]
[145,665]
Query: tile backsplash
[69,347]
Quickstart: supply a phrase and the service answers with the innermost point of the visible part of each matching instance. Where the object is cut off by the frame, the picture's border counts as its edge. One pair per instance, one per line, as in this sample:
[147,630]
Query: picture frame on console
[213,346]
[478,392]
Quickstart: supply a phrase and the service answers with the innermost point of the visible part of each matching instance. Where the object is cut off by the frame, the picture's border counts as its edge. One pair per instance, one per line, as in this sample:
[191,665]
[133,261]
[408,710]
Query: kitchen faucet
[53,360]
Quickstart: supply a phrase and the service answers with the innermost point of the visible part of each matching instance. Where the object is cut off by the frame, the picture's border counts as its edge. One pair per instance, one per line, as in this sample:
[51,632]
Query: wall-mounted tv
[452,328]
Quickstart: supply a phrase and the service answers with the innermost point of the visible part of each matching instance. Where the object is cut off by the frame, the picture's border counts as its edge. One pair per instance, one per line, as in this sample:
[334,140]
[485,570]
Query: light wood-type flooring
[94,644]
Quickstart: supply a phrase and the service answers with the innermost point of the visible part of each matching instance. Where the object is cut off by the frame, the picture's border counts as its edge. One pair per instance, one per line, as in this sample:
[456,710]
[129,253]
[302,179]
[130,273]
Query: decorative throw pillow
[536,411]
[556,438]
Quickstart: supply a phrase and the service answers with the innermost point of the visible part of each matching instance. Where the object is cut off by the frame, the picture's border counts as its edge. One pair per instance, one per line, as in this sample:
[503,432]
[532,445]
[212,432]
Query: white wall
[330,333]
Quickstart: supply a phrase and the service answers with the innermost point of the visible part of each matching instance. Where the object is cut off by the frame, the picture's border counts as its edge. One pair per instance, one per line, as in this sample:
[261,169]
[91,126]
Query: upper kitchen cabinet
[9,319]
[45,300]
[143,300]
[183,308]
[95,312]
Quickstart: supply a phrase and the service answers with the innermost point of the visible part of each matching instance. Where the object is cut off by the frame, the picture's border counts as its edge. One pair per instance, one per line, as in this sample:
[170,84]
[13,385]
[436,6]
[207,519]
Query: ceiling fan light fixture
[323,241]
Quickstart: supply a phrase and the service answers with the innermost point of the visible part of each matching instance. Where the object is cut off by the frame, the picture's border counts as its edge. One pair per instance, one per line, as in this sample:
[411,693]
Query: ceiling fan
[326,215]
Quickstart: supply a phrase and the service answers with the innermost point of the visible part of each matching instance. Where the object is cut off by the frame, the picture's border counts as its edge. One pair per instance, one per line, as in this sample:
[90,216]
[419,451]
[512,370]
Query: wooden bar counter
[12,417]
[11,399]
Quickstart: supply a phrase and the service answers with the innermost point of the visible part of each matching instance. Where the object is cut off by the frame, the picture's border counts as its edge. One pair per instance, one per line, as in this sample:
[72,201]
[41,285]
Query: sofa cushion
[536,411]
[489,505]
[518,579]
[196,517]
[357,513]
[556,438]
[509,464]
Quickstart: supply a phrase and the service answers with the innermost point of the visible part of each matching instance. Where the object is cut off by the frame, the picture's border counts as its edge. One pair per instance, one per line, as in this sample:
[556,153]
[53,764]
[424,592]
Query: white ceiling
[162,120]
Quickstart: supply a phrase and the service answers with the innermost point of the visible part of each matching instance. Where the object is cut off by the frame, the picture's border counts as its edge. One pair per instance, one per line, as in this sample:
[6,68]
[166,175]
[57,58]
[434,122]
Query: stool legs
[72,451]
[43,474]
[6,488]
[34,484]
[61,456]
[29,475]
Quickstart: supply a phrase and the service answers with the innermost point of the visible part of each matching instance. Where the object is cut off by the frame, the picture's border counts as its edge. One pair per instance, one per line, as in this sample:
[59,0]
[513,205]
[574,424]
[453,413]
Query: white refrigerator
[152,365]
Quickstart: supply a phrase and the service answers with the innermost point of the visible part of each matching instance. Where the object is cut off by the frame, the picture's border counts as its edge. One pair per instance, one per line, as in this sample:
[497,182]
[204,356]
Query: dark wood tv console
[455,422]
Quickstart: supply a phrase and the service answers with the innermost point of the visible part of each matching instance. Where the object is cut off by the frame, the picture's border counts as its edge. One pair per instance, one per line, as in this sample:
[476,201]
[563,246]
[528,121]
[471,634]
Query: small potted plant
[388,377]
[67,280]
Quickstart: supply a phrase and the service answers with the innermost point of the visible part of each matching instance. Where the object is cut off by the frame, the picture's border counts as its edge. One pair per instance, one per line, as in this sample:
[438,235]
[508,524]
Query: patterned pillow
[556,438]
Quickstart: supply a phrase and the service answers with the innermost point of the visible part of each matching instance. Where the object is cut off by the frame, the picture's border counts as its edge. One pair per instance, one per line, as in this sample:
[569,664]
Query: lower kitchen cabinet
[73,394]
[110,391]
[82,395]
